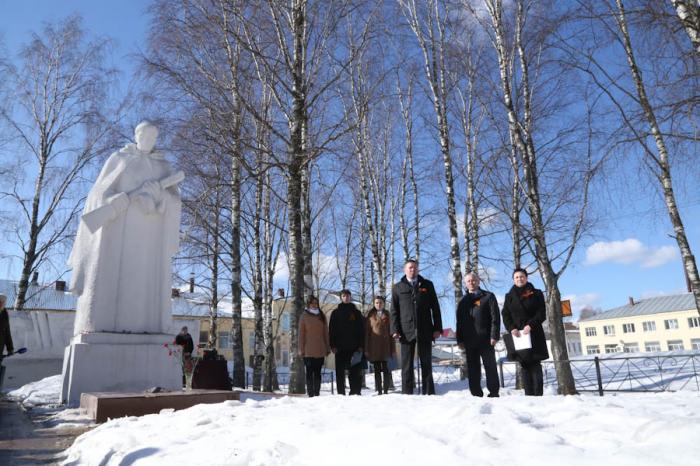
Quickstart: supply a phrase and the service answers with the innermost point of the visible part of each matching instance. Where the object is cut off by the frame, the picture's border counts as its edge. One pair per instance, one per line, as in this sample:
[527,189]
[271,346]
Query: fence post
[500,371]
[333,383]
[598,376]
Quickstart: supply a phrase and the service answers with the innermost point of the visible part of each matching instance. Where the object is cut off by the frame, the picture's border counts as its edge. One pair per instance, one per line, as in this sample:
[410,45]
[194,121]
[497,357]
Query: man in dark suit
[478,330]
[415,321]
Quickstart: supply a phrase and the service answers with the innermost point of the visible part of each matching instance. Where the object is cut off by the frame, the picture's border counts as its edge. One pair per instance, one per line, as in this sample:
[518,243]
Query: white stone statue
[121,258]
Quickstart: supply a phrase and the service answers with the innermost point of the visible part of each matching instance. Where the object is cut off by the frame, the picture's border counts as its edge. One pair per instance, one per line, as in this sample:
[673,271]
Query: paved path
[25,439]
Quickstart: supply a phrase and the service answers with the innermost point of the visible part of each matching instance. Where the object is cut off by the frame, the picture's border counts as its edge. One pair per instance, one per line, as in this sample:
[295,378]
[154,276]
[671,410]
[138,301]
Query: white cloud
[488,217]
[629,251]
[282,268]
[323,265]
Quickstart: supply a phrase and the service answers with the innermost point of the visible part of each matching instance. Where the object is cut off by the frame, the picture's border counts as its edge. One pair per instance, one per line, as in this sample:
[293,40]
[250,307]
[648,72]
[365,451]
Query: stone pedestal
[118,362]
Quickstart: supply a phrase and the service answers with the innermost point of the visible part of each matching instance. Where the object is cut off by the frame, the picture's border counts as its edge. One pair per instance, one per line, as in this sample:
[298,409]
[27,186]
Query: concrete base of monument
[104,406]
[118,362]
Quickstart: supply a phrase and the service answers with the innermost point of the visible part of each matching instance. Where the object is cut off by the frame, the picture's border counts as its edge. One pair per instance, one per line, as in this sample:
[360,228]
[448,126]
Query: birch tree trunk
[430,33]
[259,344]
[214,271]
[306,225]
[269,265]
[238,375]
[688,12]
[661,162]
[521,134]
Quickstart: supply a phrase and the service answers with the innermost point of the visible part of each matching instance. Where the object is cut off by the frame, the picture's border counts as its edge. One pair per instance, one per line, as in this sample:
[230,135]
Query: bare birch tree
[293,44]
[523,134]
[644,115]
[429,24]
[59,126]
[408,173]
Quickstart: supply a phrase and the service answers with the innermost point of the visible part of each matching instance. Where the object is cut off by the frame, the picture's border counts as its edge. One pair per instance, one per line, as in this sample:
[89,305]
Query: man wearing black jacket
[478,330]
[415,321]
[346,335]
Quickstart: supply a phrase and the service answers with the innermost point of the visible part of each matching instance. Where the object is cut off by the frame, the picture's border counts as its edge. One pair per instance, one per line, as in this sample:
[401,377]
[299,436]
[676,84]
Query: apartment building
[663,323]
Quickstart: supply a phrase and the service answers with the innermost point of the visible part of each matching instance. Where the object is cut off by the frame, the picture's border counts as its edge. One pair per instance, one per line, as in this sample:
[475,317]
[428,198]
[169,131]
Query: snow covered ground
[452,429]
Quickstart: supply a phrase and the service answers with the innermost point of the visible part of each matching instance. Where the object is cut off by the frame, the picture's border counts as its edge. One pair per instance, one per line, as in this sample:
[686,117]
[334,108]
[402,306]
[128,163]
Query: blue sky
[635,256]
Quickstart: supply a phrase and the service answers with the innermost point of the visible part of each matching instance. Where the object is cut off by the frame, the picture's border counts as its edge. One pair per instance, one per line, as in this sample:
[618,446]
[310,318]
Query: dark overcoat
[415,311]
[346,328]
[526,306]
[478,320]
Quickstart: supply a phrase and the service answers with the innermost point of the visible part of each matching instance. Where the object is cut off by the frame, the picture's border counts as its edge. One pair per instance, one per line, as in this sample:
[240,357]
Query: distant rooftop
[44,297]
[656,305]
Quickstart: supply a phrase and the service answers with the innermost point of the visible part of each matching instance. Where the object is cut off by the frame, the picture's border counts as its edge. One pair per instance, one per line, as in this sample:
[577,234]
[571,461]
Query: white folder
[522,342]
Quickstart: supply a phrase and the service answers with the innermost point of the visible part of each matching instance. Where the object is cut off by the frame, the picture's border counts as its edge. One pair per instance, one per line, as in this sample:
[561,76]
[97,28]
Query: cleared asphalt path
[25,438]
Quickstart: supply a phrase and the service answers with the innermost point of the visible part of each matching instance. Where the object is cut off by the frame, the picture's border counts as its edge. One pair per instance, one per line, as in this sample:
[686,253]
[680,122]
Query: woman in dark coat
[524,312]
[346,332]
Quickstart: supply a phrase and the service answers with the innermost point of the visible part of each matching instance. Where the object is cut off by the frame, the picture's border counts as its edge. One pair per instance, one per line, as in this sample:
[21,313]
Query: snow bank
[453,429]
[46,391]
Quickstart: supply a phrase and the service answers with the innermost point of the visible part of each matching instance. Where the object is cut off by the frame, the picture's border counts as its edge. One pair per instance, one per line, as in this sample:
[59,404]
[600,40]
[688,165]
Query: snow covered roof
[656,305]
[39,296]
[197,305]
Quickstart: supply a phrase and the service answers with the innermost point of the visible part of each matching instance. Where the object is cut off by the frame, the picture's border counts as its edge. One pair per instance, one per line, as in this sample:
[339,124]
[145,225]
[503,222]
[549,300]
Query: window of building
[612,348]
[224,340]
[203,336]
[631,348]
[649,326]
[652,346]
[627,328]
[693,322]
[695,343]
[574,348]
[285,358]
[671,324]
[609,330]
[285,322]
[675,345]
[591,332]
[592,349]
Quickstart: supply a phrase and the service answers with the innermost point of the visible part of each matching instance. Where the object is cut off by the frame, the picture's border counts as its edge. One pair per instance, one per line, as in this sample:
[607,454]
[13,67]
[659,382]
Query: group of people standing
[415,322]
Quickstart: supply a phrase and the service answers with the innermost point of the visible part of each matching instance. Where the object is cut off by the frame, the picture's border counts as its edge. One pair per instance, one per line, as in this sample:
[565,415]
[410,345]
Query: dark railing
[659,373]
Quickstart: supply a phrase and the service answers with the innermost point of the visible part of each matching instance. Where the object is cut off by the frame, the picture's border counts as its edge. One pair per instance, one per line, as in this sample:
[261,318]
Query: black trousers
[532,378]
[474,357]
[313,375]
[342,362]
[381,370]
[425,355]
